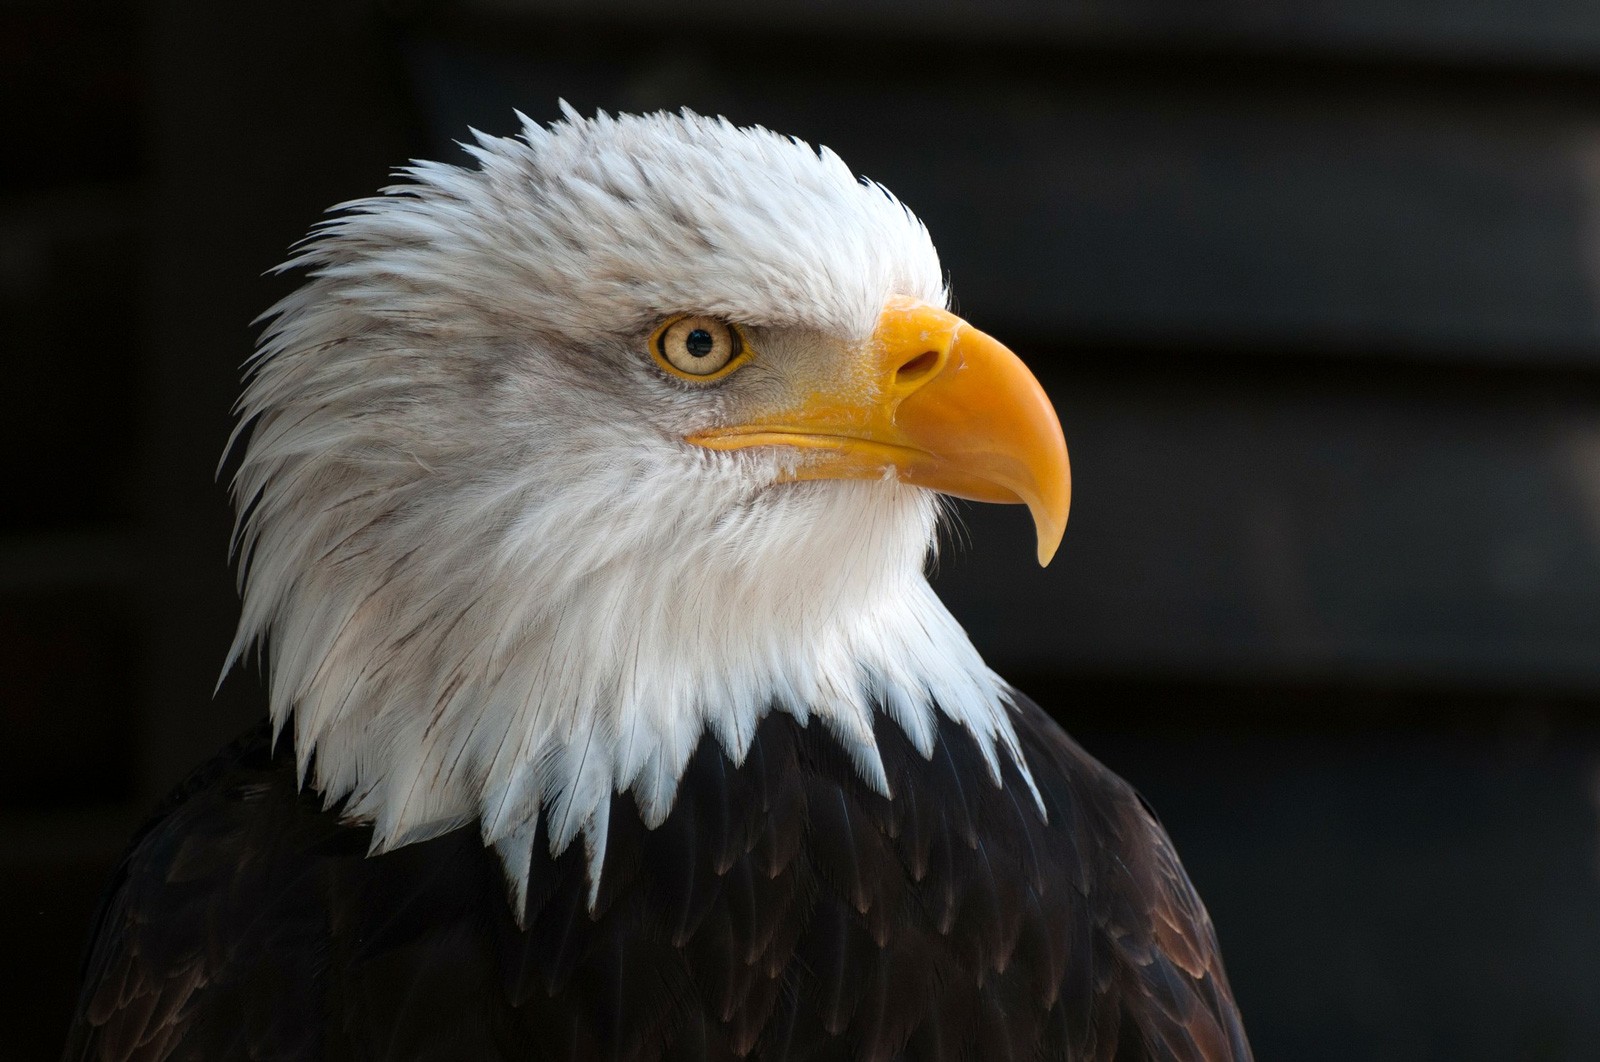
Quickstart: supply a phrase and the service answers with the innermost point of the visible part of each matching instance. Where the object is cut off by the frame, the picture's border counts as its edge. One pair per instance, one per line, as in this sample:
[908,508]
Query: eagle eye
[698,348]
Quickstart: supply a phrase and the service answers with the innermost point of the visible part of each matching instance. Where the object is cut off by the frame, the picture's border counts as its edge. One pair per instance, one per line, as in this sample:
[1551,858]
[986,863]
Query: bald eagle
[584,500]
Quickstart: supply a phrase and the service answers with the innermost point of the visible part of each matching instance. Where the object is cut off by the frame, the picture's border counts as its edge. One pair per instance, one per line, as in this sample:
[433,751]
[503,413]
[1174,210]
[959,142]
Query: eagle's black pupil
[699,343]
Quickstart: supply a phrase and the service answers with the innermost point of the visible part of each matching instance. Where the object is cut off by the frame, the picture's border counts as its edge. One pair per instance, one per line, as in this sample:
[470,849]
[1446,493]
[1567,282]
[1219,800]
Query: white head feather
[491,578]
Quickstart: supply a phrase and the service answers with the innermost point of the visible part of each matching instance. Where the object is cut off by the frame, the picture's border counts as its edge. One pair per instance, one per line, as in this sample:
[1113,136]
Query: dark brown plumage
[783,911]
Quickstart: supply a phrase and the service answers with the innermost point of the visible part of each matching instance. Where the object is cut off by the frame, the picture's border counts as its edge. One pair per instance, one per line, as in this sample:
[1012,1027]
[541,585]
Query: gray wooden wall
[1315,288]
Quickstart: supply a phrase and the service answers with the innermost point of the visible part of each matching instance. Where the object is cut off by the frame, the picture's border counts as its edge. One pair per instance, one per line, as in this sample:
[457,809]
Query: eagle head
[627,435]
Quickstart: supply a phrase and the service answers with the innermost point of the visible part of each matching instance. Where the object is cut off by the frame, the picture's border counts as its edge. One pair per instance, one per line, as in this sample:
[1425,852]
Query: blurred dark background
[1315,288]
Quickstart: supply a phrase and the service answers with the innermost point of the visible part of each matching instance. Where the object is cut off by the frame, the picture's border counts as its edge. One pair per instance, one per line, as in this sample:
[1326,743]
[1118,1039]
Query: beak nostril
[918,367]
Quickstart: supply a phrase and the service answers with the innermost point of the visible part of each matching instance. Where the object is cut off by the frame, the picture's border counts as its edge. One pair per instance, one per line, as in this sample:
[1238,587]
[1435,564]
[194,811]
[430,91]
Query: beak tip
[1050,516]
[1047,549]
[1048,532]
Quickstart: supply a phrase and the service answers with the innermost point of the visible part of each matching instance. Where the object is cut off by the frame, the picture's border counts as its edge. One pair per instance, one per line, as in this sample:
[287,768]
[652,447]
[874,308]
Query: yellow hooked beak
[936,404]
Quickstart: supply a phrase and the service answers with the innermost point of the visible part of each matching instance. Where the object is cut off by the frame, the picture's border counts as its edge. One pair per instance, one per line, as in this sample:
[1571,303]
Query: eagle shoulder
[1154,967]
[785,909]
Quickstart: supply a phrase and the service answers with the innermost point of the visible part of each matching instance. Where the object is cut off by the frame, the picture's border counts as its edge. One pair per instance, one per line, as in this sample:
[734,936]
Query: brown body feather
[784,910]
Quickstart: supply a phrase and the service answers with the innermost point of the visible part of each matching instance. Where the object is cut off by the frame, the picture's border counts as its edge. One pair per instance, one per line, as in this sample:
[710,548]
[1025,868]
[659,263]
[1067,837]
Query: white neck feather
[541,659]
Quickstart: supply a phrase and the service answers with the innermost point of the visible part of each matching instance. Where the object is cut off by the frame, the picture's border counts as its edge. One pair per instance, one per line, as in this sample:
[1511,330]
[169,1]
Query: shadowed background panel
[1316,293]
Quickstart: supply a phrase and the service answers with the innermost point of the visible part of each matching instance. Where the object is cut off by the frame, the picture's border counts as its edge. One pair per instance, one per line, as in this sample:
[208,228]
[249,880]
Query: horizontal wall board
[1422,527]
[1390,898]
[68,345]
[68,673]
[1547,31]
[1332,215]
